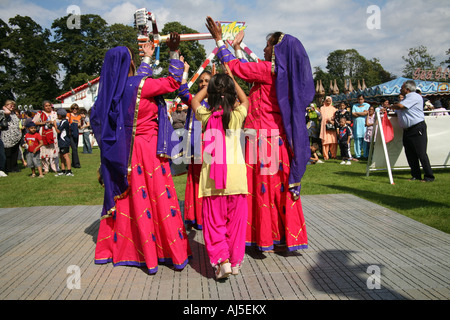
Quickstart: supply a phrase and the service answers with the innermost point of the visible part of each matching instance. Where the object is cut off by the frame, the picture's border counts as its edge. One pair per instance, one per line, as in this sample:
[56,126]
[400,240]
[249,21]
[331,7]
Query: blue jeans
[87,148]
[360,146]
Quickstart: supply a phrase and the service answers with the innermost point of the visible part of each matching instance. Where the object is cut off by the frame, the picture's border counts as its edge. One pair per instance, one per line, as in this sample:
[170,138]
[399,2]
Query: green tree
[417,58]
[33,65]
[7,63]
[349,64]
[80,51]
[446,63]
[122,35]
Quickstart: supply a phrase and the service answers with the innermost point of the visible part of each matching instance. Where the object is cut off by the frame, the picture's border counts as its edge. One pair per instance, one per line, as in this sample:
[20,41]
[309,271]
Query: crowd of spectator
[328,134]
[42,140]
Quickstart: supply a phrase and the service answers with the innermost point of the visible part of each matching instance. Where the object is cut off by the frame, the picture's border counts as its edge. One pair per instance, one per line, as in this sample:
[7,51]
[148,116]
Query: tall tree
[345,63]
[446,63]
[80,50]
[121,35]
[6,74]
[33,65]
[349,64]
[417,58]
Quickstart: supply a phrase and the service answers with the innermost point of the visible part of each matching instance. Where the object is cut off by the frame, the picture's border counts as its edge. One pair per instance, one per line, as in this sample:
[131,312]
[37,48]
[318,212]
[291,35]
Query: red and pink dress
[145,227]
[274,217]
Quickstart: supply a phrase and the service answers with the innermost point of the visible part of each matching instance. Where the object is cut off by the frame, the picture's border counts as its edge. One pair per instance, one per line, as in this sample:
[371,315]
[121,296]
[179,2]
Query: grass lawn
[428,203]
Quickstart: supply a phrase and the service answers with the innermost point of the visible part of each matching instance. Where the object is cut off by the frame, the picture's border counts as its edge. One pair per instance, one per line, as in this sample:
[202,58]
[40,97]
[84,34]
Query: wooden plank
[346,235]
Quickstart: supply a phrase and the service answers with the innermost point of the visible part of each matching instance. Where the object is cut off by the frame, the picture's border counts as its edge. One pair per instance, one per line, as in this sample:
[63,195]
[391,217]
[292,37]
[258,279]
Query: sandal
[235,270]
[223,270]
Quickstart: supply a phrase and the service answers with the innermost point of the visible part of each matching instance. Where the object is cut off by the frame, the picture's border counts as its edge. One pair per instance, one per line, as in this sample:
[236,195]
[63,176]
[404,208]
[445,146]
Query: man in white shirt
[411,118]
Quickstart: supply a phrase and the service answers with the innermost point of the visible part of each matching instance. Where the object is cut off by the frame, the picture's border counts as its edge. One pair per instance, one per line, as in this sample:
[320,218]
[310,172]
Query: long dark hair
[222,94]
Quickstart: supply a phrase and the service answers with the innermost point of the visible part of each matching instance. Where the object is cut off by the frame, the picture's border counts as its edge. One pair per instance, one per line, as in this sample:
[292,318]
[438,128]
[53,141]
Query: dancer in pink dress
[222,185]
[283,87]
[141,223]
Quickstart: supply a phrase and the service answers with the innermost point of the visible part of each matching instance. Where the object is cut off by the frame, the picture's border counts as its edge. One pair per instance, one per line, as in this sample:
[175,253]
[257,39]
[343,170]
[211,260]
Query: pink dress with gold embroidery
[273,216]
[147,226]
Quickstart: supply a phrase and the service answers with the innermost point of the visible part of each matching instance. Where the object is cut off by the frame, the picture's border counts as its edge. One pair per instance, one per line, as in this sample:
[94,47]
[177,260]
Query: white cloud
[42,16]
[96,4]
[122,13]
[322,25]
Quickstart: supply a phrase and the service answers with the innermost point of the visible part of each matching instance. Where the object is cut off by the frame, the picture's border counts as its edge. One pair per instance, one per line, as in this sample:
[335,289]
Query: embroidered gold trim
[273,53]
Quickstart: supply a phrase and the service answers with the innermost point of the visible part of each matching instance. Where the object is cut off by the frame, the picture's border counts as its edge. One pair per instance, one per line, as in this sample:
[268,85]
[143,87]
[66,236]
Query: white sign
[438,149]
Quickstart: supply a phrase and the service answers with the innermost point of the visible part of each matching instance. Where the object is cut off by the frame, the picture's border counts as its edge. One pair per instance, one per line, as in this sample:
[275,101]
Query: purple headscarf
[295,91]
[112,121]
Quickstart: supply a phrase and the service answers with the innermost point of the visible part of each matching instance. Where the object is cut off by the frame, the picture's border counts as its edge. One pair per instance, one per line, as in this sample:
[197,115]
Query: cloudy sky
[323,26]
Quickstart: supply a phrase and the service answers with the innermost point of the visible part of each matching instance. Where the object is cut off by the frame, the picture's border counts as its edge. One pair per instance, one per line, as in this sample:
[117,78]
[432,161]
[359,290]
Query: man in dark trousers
[412,120]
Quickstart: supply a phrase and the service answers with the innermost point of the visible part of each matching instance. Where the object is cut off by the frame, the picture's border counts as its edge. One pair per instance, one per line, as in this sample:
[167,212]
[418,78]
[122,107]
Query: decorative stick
[200,70]
[189,37]
[247,50]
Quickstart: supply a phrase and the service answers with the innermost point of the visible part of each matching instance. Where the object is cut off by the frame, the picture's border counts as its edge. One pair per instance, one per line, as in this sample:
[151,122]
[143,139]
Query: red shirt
[33,141]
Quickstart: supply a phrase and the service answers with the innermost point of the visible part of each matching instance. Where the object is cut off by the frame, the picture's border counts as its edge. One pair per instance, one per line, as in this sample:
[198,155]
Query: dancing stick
[156,38]
[202,67]
[247,50]
[250,52]
[189,37]
[200,70]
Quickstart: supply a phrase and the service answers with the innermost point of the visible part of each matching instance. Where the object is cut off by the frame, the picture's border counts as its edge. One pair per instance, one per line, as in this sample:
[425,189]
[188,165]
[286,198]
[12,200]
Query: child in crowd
[33,143]
[313,131]
[314,157]
[342,112]
[223,178]
[344,134]
[370,120]
[64,143]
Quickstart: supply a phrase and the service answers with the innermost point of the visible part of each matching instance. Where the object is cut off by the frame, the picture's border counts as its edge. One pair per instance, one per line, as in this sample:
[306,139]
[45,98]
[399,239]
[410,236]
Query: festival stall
[391,90]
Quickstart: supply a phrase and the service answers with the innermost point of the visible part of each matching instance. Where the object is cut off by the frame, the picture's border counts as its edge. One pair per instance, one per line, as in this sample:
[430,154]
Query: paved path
[351,241]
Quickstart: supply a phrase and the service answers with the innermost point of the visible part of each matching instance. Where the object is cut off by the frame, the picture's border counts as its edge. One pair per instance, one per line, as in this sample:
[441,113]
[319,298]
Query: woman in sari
[328,134]
[276,126]
[141,223]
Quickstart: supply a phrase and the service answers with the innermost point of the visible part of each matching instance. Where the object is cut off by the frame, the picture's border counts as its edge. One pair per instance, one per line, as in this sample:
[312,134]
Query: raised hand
[214,28]
[186,65]
[238,40]
[148,48]
[228,71]
[174,41]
